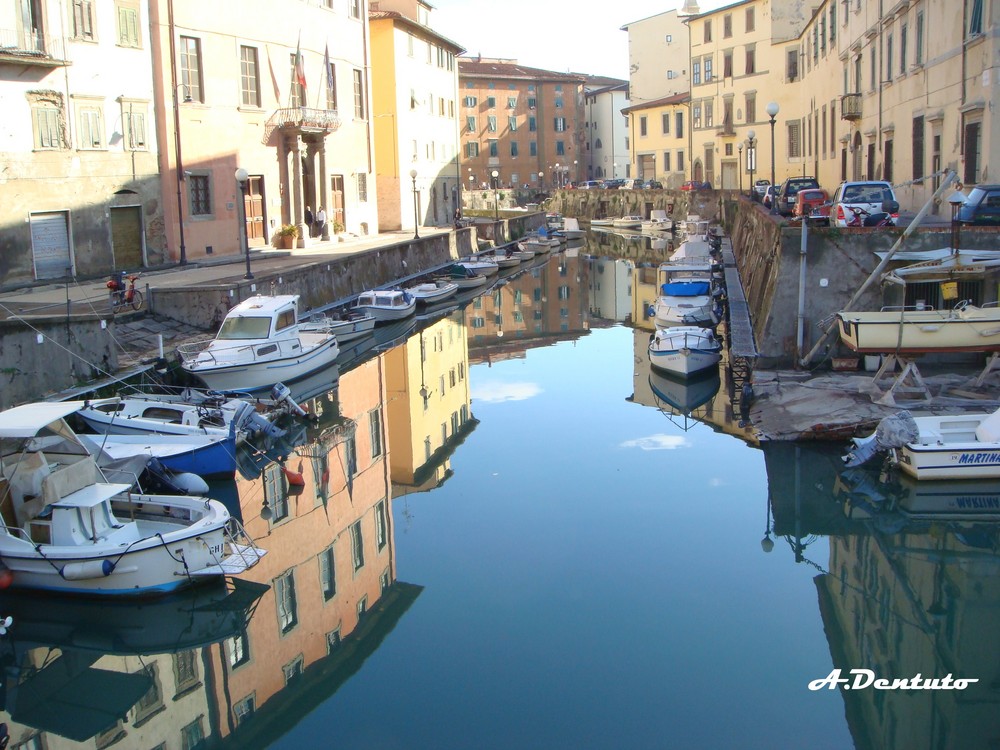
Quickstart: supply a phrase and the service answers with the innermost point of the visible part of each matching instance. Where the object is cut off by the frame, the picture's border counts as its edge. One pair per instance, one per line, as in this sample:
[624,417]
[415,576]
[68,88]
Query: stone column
[323,199]
[297,205]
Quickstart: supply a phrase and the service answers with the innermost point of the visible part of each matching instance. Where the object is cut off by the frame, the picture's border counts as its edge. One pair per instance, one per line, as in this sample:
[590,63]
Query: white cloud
[659,442]
[716,482]
[497,392]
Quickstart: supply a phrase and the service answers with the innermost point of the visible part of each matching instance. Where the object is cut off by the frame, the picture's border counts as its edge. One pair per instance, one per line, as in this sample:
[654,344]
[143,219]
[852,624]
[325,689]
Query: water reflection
[911,585]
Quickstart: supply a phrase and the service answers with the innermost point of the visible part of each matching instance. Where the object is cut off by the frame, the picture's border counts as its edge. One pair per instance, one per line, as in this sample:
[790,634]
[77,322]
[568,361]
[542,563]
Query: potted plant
[287,236]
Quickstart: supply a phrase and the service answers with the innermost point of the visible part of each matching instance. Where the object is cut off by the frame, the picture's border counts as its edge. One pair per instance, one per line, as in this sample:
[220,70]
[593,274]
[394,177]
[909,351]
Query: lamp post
[496,206]
[751,157]
[575,172]
[739,149]
[242,178]
[772,111]
[956,200]
[179,165]
[557,182]
[416,209]
[541,180]
[614,170]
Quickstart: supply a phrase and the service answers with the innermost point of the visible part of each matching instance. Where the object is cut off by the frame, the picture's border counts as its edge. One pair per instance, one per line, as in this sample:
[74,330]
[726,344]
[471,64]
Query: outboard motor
[883,218]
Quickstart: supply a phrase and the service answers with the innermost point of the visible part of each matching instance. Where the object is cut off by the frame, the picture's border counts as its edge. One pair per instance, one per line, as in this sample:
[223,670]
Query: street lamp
[541,180]
[496,206]
[614,170]
[739,148]
[558,177]
[179,166]
[956,200]
[772,111]
[416,209]
[575,173]
[242,178]
[752,158]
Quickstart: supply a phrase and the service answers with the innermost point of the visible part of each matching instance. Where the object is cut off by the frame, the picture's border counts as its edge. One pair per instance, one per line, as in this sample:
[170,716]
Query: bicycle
[122,293]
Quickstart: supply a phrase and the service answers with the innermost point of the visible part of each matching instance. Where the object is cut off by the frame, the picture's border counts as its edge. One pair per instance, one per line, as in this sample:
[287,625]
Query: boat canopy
[686,288]
[29,419]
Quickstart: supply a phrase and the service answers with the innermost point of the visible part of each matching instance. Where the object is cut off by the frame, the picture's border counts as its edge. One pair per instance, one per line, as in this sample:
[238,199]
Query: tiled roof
[662,102]
[480,67]
[383,15]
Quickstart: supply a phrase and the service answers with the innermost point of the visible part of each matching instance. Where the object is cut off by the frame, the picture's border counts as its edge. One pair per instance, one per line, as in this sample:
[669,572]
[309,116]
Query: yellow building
[414,111]
[658,132]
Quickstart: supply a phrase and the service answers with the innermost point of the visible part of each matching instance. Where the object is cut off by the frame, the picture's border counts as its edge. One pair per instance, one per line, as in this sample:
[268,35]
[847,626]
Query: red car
[696,185]
[812,202]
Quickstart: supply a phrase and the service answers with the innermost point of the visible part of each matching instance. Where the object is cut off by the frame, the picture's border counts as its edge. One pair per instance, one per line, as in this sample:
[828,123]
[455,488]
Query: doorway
[335,212]
[254,208]
[127,239]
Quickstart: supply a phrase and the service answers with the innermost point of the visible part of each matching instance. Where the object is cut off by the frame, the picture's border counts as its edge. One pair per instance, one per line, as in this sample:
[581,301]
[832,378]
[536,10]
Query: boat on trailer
[65,528]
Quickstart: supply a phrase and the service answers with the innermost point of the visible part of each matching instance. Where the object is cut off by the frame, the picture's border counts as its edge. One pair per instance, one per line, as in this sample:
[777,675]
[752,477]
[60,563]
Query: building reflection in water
[911,586]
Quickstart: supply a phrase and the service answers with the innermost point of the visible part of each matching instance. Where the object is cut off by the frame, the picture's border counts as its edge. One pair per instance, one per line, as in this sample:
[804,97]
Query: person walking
[309,222]
[320,222]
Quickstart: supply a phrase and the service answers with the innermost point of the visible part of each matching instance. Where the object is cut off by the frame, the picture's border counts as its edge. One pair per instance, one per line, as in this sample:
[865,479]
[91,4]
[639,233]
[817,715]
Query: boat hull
[260,374]
[684,351]
[972,329]
[212,456]
[958,461]
[683,311]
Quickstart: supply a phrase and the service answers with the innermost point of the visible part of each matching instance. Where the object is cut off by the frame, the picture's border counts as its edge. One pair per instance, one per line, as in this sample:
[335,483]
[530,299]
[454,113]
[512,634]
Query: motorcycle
[883,218]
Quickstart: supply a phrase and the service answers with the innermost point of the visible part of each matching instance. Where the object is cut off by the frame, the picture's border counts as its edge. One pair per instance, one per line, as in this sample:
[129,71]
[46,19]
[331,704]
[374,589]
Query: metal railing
[30,44]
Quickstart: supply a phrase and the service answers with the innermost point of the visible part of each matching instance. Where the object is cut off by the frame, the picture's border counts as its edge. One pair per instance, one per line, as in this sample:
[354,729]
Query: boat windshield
[245,327]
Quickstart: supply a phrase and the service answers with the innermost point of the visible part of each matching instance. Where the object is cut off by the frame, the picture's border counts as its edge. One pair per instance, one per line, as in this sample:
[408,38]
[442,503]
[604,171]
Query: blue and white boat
[259,344]
[204,455]
[686,294]
[65,528]
[386,304]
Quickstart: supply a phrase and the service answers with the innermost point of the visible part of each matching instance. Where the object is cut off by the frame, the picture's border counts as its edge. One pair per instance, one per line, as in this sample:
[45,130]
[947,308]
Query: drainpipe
[881,72]
[178,164]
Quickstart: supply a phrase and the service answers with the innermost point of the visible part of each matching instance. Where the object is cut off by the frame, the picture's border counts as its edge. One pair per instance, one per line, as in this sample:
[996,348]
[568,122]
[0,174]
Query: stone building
[81,194]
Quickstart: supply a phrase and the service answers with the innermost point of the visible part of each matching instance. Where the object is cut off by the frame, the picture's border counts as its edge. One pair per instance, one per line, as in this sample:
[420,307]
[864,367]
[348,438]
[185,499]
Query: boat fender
[6,577]
[294,478]
[189,483]
[91,569]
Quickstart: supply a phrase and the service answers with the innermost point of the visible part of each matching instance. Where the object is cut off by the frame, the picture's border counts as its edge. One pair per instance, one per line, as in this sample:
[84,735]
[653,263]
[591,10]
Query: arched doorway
[697,172]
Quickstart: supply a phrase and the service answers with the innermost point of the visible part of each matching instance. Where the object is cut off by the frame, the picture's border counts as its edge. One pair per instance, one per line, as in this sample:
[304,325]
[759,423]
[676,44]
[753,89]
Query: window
[135,125]
[91,124]
[792,64]
[472,149]
[665,123]
[708,69]
[751,66]
[513,148]
[708,30]
[750,108]
[200,195]
[470,101]
[642,125]
[532,124]
[128,25]
[276,492]
[794,139]
[244,709]
[357,546]
[971,149]
[491,124]
[888,160]
[512,123]
[249,77]
[918,148]
[671,75]
[598,145]
[531,102]
[470,124]
[903,29]
[560,124]
[727,26]
[350,456]
[491,102]
[355,8]
[362,187]
[238,650]
[185,671]
[359,95]
[679,123]
[284,599]
[919,41]
[559,102]
[192,735]
[888,57]
[750,20]
[709,114]
[666,161]
[292,670]
[327,574]
[190,63]
[511,102]
[532,149]
[833,23]
[560,148]
[381,526]
[153,698]
[494,147]
[975,17]
[696,72]
[375,432]
[83,20]
[409,45]
[696,116]
[680,161]
[727,64]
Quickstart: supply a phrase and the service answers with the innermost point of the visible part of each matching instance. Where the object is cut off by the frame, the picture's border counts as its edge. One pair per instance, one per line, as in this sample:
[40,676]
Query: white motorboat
[464,277]
[431,292]
[966,328]
[601,222]
[143,414]
[657,222]
[346,325]
[386,304]
[66,529]
[479,264]
[505,258]
[686,294]
[259,344]
[571,229]
[692,250]
[955,446]
[628,222]
[684,350]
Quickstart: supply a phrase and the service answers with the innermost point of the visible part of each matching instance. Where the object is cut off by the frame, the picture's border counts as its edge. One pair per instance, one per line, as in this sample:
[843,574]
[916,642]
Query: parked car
[652,185]
[853,201]
[760,189]
[630,185]
[981,207]
[590,185]
[696,185]
[789,189]
[613,184]
[809,201]
[769,193]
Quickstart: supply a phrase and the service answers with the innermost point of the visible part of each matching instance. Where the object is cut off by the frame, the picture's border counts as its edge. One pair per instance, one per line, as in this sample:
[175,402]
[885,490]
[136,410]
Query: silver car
[853,201]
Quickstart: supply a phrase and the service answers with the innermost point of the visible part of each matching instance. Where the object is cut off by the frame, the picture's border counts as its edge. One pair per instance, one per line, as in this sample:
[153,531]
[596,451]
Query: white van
[631,185]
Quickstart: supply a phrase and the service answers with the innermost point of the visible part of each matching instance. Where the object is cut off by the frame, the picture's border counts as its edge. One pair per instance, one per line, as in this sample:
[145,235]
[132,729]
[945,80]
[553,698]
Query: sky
[560,35]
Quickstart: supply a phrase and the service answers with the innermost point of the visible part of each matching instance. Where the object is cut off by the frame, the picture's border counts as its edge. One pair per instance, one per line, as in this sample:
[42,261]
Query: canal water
[503,530]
